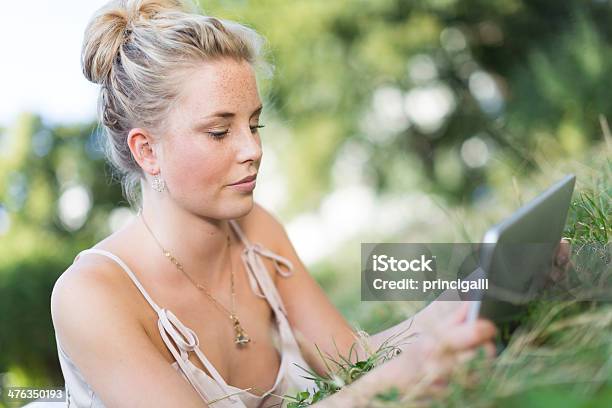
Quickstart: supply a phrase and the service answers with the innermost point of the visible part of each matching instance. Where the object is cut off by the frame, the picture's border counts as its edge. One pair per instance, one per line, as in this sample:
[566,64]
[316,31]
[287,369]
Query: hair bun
[142,10]
[108,28]
[105,35]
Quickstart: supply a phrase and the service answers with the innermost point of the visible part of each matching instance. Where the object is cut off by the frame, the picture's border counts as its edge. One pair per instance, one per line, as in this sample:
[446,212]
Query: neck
[198,243]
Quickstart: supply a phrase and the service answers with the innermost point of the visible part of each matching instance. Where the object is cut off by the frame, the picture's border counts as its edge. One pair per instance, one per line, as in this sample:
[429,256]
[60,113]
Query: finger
[436,389]
[556,274]
[487,350]
[465,356]
[563,252]
[490,349]
[470,335]
[461,313]
[455,316]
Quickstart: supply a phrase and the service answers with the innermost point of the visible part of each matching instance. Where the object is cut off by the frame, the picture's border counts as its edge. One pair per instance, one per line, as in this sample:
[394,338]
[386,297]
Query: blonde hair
[137,50]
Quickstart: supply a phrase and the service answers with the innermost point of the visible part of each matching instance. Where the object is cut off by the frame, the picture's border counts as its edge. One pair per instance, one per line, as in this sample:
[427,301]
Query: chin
[239,208]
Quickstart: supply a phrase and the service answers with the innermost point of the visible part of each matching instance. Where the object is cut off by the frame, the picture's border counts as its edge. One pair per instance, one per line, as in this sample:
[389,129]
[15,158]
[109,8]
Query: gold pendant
[241,339]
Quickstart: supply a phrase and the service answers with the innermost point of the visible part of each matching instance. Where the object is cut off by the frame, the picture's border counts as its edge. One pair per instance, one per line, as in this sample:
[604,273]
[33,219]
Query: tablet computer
[517,254]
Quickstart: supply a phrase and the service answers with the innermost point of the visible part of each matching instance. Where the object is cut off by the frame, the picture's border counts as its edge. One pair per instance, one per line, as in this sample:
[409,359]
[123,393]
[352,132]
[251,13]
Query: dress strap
[239,232]
[126,268]
[179,339]
[258,276]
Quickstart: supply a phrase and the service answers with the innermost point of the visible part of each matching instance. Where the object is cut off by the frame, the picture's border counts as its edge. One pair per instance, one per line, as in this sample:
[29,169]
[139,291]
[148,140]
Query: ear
[144,149]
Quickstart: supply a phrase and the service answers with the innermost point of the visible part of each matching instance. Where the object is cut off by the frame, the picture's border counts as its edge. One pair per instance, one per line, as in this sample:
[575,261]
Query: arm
[425,319]
[359,393]
[316,321]
[313,318]
[104,338]
[434,356]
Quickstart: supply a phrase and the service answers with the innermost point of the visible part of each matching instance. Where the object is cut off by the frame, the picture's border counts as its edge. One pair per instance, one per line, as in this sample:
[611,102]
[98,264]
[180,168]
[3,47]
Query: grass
[560,356]
[345,370]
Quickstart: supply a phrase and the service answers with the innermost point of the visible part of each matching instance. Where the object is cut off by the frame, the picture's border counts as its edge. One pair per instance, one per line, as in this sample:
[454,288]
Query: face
[212,140]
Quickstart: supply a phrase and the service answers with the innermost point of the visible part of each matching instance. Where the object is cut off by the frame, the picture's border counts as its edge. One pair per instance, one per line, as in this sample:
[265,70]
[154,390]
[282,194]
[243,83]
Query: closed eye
[218,135]
[255,128]
[221,134]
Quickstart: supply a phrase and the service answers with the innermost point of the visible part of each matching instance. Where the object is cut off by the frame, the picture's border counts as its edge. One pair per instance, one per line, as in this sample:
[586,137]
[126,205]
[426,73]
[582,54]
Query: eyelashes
[218,135]
[221,135]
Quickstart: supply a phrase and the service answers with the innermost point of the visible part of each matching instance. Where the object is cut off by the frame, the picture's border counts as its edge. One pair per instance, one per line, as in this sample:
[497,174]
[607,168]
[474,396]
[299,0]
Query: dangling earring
[158,183]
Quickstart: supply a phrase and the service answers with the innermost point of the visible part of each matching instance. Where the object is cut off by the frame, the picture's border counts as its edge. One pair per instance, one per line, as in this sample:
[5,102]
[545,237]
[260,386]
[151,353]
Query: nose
[248,146]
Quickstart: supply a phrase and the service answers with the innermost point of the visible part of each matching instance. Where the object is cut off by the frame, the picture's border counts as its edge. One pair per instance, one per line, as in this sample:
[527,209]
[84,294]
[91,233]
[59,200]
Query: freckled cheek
[192,169]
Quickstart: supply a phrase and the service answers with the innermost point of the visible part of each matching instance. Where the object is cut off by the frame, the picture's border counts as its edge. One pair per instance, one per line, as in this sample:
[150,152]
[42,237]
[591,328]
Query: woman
[200,290]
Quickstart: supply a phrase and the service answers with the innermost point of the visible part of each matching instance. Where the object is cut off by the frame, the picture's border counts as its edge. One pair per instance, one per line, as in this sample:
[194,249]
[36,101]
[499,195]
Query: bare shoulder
[97,282]
[90,289]
[81,279]
[93,288]
[94,320]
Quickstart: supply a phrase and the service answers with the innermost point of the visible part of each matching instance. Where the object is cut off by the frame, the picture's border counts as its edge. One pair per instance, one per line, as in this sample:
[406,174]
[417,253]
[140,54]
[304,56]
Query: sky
[40,47]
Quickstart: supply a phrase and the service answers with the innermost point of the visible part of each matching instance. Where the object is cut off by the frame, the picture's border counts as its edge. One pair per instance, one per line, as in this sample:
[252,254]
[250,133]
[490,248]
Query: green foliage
[547,59]
[590,214]
[561,353]
[41,164]
[27,339]
[345,370]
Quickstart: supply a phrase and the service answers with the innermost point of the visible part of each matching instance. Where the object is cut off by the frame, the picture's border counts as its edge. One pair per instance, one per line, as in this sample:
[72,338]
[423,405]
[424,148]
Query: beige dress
[181,341]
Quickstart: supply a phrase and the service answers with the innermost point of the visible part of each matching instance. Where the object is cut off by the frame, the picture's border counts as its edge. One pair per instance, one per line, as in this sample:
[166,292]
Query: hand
[561,263]
[436,353]
[455,341]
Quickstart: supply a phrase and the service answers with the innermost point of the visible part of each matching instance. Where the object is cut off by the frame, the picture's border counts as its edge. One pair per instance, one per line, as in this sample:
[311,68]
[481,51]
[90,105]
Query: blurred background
[386,120]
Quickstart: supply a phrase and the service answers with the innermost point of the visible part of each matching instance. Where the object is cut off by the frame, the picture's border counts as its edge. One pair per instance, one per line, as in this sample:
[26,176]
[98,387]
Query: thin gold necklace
[241,339]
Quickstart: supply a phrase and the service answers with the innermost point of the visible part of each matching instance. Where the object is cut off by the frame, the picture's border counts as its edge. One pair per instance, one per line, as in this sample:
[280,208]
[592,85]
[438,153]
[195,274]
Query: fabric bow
[249,257]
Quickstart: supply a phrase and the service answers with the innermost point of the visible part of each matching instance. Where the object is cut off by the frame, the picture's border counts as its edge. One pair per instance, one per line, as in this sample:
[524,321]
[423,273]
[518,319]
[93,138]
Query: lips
[245,180]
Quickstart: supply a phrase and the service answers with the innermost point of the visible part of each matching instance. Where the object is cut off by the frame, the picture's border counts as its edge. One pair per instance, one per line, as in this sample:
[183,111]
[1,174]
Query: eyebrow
[232,114]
